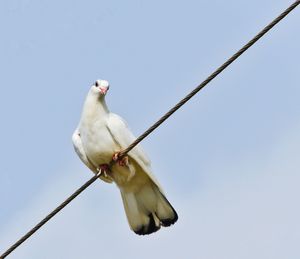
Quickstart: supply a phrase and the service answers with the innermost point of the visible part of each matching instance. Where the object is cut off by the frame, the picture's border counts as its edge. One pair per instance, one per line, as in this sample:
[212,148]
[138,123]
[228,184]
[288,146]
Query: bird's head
[100,87]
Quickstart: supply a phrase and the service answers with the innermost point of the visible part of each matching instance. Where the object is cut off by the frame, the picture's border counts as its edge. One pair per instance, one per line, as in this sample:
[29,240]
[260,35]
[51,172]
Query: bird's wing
[76,139]
[77,143]
[123,136]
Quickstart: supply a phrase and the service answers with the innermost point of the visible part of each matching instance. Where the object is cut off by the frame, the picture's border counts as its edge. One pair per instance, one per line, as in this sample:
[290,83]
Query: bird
[98,140]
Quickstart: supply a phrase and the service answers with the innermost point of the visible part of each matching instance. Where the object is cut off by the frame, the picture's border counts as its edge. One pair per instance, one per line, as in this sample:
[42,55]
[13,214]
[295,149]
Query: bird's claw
[104,168]
[115,156]
[121,162]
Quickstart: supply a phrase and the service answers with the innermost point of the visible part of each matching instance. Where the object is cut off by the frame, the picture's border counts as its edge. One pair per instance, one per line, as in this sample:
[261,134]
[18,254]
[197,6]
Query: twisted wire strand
[154,126]
[210,78]
[50,215]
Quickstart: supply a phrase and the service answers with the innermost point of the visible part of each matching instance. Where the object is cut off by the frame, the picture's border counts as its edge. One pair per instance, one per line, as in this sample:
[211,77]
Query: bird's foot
[121,162]
[104,168]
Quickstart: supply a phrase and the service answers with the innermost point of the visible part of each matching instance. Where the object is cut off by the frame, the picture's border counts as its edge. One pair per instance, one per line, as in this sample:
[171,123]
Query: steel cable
[154,126]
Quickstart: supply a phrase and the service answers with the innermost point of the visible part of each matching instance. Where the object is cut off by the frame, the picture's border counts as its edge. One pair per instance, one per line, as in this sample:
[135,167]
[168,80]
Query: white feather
[99,135]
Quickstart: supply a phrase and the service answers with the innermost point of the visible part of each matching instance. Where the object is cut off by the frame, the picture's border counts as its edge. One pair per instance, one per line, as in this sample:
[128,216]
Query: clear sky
[228,160]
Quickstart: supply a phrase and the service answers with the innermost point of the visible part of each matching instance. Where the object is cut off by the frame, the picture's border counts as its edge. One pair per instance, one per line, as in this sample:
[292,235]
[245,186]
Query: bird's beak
[103,90]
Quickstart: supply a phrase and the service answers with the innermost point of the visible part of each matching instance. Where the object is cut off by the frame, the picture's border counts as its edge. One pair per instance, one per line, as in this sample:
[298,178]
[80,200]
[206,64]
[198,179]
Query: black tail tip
[148,229]
[152,227]
[169,221]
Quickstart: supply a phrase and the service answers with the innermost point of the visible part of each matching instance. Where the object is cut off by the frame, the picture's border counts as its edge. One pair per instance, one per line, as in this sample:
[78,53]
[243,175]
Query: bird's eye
[96,84]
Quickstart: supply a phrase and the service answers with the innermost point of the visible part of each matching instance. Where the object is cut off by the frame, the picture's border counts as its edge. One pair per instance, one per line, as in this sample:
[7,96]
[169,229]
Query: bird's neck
[94,108]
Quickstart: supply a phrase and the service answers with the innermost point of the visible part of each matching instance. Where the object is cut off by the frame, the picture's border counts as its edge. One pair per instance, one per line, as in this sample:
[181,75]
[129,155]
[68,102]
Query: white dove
[97,140]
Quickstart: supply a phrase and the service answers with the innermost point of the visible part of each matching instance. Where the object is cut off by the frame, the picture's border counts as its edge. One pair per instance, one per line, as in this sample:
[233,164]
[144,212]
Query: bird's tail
[148,209]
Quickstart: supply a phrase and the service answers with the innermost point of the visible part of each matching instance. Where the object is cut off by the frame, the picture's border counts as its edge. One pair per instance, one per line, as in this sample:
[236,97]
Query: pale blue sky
[228,160]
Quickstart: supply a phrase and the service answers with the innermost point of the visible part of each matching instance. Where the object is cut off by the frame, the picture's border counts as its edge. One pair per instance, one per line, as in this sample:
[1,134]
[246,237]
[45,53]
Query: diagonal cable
[154,126]
[211,77]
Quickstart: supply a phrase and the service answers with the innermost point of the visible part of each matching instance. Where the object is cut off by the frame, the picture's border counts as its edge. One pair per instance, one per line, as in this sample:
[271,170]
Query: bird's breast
[98,143]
